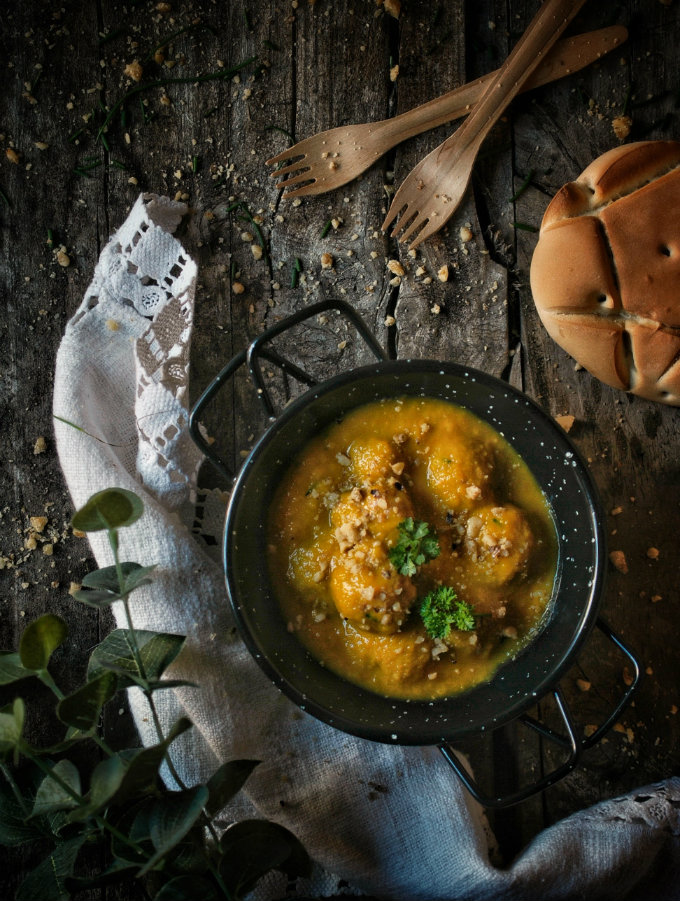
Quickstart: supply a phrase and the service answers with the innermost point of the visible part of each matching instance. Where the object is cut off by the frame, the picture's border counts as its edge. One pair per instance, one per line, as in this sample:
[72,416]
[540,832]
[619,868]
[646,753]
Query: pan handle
[251,357]
[571,742]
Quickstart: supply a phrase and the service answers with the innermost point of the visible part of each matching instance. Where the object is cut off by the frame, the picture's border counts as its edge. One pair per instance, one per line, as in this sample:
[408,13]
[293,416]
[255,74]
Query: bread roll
[605,275]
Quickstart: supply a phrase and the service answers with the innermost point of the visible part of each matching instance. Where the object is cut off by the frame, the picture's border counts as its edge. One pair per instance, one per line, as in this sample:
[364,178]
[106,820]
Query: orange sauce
[335,522]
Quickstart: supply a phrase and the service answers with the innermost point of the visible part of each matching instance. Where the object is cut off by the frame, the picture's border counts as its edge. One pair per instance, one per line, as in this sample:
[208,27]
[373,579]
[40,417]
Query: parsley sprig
[441,611]
[416,545]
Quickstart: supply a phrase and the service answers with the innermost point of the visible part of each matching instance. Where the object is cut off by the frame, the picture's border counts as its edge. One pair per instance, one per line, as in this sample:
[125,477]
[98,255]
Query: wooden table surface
[315,65]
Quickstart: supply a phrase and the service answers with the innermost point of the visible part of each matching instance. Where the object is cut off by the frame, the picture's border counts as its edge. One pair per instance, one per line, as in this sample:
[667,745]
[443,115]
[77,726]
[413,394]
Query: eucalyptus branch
[7,773]
[49,771]
[162,820]
[46,678]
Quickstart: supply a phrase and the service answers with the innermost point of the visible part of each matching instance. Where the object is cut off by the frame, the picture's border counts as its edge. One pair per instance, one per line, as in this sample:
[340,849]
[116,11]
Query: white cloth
[121,378]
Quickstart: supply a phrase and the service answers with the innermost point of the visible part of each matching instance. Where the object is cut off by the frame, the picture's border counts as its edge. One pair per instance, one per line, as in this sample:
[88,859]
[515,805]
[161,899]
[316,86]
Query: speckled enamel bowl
[519,682]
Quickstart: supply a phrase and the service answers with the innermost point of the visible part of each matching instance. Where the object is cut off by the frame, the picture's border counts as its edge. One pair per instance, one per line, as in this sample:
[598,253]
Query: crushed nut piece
[618,559]
[12,155]
[238,288]
[653,553]
[566,421]
[134,70]
[443,273]
[62,257]
[622,126]
[395,267]
[465,234]
[40,445]
[326,261]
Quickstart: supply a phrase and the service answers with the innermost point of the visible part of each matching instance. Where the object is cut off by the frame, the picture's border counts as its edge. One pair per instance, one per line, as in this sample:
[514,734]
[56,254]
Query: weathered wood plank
[323,65]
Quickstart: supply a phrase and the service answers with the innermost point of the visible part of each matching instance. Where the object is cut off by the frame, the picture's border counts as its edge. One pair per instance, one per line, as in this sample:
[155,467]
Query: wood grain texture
[317,66]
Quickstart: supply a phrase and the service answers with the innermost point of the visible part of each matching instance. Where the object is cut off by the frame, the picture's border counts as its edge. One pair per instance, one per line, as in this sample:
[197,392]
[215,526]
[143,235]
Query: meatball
[367,590]
[459,472]
[498,541]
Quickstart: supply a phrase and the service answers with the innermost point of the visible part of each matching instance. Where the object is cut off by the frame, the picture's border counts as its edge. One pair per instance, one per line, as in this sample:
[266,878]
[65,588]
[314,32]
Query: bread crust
[605,274]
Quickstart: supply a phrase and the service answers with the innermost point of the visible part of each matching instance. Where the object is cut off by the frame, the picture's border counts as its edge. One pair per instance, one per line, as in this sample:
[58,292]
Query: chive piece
[50,238]
[220,74]
[77,134]
[271,45]
[327,227]
[626,102]
[256,228]
[283,132]
[211,112]
[194,165]
[232,271]
[295,274]
[110,36]
[522,188]
[89,163]
[5,199]
[146,117]
[525,227]
[102,137]
[175,34]
[248,217]
[119,165]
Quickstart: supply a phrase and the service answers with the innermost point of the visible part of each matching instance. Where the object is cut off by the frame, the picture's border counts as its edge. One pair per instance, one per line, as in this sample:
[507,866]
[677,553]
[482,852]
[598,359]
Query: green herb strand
[522,188]
[219,75]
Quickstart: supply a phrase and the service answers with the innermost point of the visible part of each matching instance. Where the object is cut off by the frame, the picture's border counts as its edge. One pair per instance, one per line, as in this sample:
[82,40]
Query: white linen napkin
[122,378]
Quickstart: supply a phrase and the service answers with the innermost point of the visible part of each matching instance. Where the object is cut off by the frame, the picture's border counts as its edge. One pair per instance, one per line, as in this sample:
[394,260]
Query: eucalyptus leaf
[171,818]
[250,849]
[11,725]
[12,669]
[15,827]
[105,781]
[132,827]
[143,767]
[51,795]
[47,881]
[226,781]
[108,509]
[116,872]
[40,639]
[157,651]
[188,888]
[189,856]
[83,708]
[103,583]
[95,598]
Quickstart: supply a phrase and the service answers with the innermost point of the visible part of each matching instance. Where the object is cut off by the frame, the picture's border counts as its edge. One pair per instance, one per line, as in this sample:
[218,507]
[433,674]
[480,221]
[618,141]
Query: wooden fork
[332,158]
[432,191]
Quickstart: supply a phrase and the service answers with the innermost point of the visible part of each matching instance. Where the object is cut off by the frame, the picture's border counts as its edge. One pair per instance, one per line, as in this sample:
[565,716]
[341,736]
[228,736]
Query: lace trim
[145,268]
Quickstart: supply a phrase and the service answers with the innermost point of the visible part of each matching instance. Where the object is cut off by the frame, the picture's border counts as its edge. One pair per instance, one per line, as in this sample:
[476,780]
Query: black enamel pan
[520,682]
